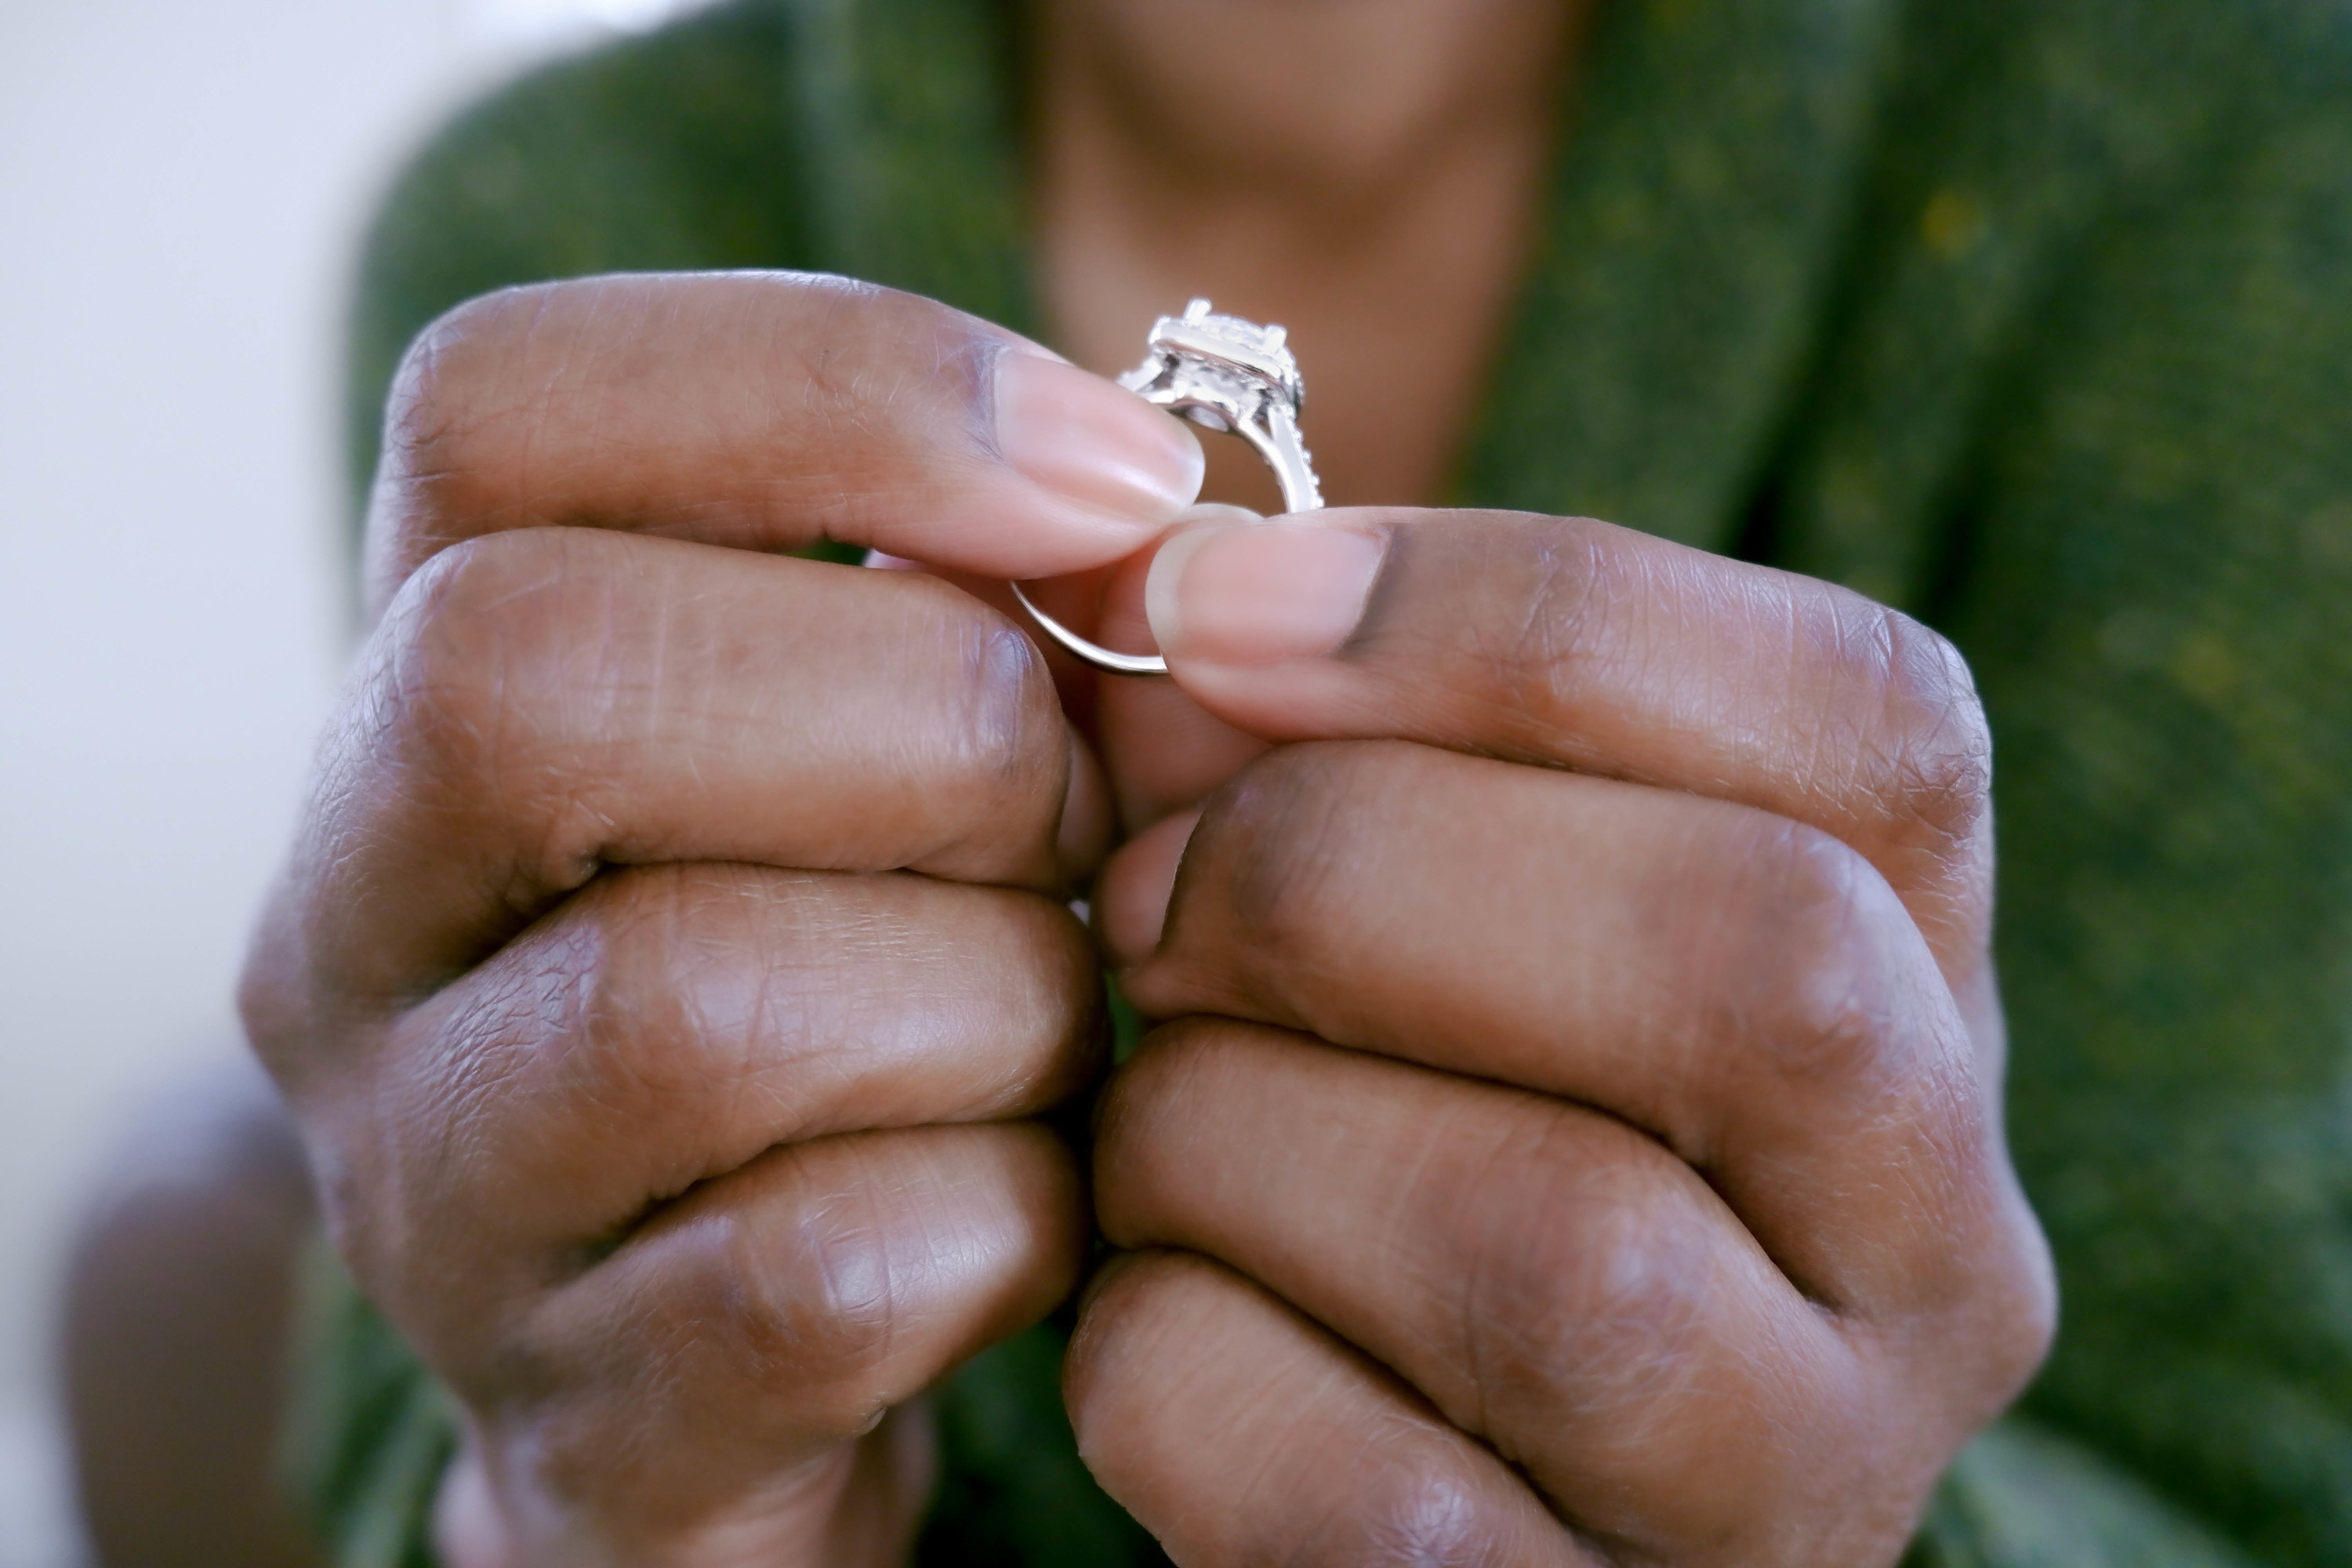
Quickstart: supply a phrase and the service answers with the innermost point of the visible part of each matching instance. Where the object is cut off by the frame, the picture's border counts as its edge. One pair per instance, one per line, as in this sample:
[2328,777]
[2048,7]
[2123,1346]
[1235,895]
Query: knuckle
[440,421]
[821,1318]
[445,709]
[2027,1327]
[443,735]
[1935,760]
[435,687]
[1112,1345]
[996,739]
[2016,1305]
[601,1009]
[1409,1509]
[631,976]
[1538,655]
[1286,834]
[1005,731]
[1825,994]
[1146,1103]
[1602,1307]
[624,1017]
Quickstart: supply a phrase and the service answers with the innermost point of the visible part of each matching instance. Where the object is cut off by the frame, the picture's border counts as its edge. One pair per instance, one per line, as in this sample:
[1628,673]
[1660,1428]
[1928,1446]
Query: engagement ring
[1222,373]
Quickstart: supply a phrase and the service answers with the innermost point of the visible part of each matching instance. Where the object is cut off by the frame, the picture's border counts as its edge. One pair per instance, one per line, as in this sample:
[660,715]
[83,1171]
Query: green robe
[2033,317]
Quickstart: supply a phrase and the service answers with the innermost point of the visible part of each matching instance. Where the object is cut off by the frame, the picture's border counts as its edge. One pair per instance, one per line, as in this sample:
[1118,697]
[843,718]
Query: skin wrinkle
[1772,963]
[1001,747]
[1262,1403]
[1479,1417]
[791,1306]
[1952,792]
[1324,898]
[1549,641]
[449,718]
[1401,1474]
[1823,1014]
[529,414]
[405,724]
[858,1029]
[1342,894]
[1411,1179]
[847,403]
[1847,912]
[1541,647]
[1419,1516]
[1259,1408]
[1926,750]
[1551,1347]
[483,1052]
[1744,732]
[862,406]
[855,1268]
[699,974]
[1294,842]
[678,1324]
[1695,1136]
[442,1091]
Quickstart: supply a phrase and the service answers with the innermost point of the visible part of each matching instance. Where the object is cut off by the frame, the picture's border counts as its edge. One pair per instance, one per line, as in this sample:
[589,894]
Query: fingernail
[1092,440]
[1259,593]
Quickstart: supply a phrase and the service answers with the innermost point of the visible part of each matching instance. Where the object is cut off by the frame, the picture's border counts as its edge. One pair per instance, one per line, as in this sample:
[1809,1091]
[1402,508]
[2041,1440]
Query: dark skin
[1578,1139]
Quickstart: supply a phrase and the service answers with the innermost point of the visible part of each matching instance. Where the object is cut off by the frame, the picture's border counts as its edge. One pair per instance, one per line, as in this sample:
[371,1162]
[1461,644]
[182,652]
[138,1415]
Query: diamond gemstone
[1243,344]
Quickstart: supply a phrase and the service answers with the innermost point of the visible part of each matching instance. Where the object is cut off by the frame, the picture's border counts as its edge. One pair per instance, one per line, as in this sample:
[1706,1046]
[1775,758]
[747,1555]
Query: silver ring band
[1221,373]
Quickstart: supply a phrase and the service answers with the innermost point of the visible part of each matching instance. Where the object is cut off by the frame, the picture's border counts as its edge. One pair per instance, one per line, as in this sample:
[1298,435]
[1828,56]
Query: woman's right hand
[672,963]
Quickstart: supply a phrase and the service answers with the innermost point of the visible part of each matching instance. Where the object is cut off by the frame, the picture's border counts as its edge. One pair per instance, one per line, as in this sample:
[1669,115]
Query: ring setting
[1222,373]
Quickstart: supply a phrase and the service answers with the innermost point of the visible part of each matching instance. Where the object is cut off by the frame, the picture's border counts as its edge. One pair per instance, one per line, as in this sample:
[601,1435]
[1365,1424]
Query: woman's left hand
[1579,1141]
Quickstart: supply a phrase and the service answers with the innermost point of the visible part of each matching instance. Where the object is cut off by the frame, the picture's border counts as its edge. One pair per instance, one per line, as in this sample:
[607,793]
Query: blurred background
[180,187]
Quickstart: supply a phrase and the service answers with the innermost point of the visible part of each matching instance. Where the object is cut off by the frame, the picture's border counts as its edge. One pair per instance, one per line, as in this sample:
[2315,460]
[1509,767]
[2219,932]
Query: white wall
[179,184]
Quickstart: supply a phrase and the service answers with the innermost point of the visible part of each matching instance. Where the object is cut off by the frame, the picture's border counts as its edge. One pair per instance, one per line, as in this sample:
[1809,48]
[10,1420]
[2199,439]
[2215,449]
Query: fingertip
[1093,442]
[1082,835]
[1130,909]
[1260,594]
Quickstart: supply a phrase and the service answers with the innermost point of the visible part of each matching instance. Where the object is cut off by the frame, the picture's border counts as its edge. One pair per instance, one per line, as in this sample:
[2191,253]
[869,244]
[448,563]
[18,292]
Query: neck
[1328,107]
[1367,172]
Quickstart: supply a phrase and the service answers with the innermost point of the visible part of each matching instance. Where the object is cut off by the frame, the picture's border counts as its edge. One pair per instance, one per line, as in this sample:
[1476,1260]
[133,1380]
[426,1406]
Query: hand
[1580,1139]
[673,961]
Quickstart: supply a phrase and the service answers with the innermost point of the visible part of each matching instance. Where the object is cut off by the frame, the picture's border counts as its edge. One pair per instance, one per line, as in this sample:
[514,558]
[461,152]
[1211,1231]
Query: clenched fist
[1579,1137]
[674,960]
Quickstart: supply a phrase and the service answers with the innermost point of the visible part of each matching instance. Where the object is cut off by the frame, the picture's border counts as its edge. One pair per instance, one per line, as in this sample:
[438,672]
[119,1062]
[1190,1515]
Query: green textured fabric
[368,1436]
[2033,317]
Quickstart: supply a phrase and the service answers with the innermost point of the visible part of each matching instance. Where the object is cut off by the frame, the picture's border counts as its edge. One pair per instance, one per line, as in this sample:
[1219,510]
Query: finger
[860,1503]
[540,705]
[1744,988]
[766,411]
[755,1327]
[1162,751]
[1553,1282]
[667,1025]
[1131,903]
[1237,1432]
[1569,642]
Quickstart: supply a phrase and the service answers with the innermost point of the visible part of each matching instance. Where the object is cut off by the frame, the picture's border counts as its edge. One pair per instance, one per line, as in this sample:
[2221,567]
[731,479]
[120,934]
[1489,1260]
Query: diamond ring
[1221,373]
